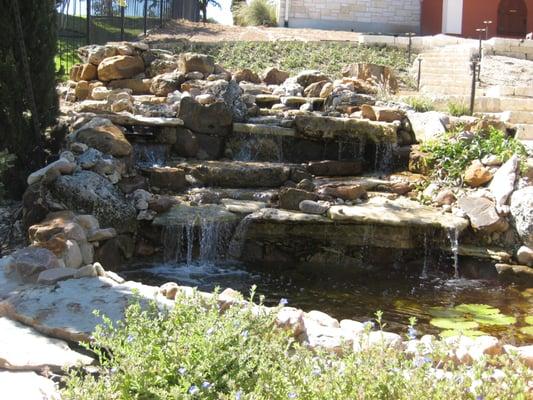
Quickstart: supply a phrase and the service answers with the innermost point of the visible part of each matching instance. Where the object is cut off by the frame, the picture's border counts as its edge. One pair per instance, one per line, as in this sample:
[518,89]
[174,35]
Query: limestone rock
[62,166]
[99,235]
[101,134]
[313,207]
[524,256]
[88,72]
[51,276]
[335,168]
[231,94]
[169,290]
[377,74]
[167,83]
[65,310]
[95,54]
[273,76]
[378,339]
[322,319]
[215,119]
[476,174]
[167,178]
[120,67]
[482,214]
[307,77]
[344,192]
[27,386]
[327,90]
[30,261]
[314,89]
[445,197]
[292,319]
[136,85]
[246,75]
[428,125]
[82,90]
[189,62]
[88,192]
[24,349]
[290,198]
[503,183]
[520,274]
[525,353]
[522,215]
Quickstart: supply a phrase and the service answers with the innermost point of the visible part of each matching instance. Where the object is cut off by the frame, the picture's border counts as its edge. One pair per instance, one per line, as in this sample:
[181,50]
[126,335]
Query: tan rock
[89,72]
[292,319]
[169,290]
[120,67]
[367,111]
[326,91]
[137,86]
[51,276]
[345,192]
[82,90]
[274,76]
[246,75]
[477,174]
[314,89]
[189,62]
[104,136]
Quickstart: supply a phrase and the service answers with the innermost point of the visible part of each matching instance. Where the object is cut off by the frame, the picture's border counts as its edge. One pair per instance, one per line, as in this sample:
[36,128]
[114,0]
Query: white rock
[292,319]
[322,319]
[524,256]
[503,183]
[72,255]
[62,166]
[24,349]
[377,338]
[51,276]
[27,386]
[484,345]
[428,125]
[351,329]
[525,353]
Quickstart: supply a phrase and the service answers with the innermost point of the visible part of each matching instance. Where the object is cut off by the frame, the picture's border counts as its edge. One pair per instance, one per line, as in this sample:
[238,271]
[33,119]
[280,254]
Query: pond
[399,293]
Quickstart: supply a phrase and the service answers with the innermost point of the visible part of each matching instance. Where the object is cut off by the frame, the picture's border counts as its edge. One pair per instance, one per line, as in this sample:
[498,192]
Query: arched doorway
[512,18]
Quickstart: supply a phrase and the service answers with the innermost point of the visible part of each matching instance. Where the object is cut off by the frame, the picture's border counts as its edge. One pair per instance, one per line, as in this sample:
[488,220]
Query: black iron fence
[83,22]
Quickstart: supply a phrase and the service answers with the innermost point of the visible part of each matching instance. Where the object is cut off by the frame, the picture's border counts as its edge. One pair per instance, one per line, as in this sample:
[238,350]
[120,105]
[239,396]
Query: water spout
[453,236]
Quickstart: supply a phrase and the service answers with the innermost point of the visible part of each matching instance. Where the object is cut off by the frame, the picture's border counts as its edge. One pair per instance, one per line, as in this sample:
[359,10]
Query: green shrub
[194,352]
[256,13]
[449,156]
[420,104]
[458,109]
[6,162]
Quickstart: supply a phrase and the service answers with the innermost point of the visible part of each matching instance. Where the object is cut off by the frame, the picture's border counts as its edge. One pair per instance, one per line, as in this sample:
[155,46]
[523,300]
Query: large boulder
[522,214]
[167,83]
[290,198]
[214,119]
[90,193]
[428,125]
[503,183]
[273,76]
[28,262]
[476,174]
[120,67]
[190,62]
[379,74]
[246,75]
[482,214]
[103,135]
[307,77]
[230,93]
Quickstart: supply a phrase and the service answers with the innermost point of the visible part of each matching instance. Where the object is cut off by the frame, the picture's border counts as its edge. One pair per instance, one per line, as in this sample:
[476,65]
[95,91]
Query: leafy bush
[458,109]
[194,352]
[449,156]
[6,162]
[295,56]
[420,104]
[256,13]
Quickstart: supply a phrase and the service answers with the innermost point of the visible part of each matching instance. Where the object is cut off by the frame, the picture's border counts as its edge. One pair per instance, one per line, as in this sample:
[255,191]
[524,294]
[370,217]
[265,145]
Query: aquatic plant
[465,319]
[193,351]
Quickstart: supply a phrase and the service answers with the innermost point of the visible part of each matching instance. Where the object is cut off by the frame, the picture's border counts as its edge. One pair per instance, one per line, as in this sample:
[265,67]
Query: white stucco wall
[386,16]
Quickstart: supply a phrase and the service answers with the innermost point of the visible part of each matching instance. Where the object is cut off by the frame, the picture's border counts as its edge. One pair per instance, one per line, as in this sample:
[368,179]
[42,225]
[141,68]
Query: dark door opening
[512,18]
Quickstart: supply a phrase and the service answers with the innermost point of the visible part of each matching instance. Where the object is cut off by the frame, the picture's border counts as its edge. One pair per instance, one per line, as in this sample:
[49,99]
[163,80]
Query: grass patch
[194,352]
[420,104]
[448,157]
[458,109]
[295,56]
[256,13]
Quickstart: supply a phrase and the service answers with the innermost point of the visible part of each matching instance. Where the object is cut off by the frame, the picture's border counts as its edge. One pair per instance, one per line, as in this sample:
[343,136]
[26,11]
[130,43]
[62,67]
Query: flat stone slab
[183,214]
[23,348]
[126,118]
[27,386]
[242,206]
[400,212]
[263,129]
[10,285]
[65,310]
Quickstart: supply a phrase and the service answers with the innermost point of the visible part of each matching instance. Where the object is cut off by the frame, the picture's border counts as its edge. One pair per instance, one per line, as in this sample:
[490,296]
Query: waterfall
[383,161]
[149,154]
[453,236]
[424,274]
[201,241]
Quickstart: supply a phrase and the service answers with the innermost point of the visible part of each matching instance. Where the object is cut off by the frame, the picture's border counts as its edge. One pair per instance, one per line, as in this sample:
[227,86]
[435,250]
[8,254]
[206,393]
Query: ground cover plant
[449,156]
[420,104]
[195,352]
[255,13]
[295,56]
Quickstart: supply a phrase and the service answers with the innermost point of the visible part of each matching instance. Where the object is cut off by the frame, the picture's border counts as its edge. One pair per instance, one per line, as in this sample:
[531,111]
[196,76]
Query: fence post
[145,15]
[160,13]
[88,21]
[473,91]
[419,74]
[122,17]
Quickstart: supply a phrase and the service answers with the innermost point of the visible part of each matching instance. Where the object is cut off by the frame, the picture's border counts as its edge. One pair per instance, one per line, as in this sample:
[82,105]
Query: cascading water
[424,274]
[237,242]
[201,241]
[149,154]
[383,161]
[453,236]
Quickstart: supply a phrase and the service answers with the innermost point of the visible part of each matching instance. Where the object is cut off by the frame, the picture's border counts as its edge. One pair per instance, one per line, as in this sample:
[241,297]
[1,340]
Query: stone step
[524,131]
[445,90]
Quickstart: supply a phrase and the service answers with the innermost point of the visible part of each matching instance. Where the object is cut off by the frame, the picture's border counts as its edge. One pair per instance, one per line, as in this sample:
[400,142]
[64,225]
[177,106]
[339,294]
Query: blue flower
[206,385]
[412,333]
[182,370]
[238,395]
[130,338]
[194,390]
[283,302]
[292,395]
[244,334]
[316,371]
[210,331]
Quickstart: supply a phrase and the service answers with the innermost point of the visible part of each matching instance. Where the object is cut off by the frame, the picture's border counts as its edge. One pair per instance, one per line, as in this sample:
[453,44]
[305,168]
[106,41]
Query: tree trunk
[28,86]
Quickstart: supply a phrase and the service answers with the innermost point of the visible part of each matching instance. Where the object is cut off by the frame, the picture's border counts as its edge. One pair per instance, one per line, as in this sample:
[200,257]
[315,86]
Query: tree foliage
[17,133]
[203,7]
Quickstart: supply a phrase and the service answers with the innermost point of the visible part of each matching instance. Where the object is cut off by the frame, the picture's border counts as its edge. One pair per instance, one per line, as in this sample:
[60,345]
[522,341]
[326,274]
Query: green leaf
[444,312]
[529,320]
[477,309]
[458,324]
[495,319]
[468,332]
